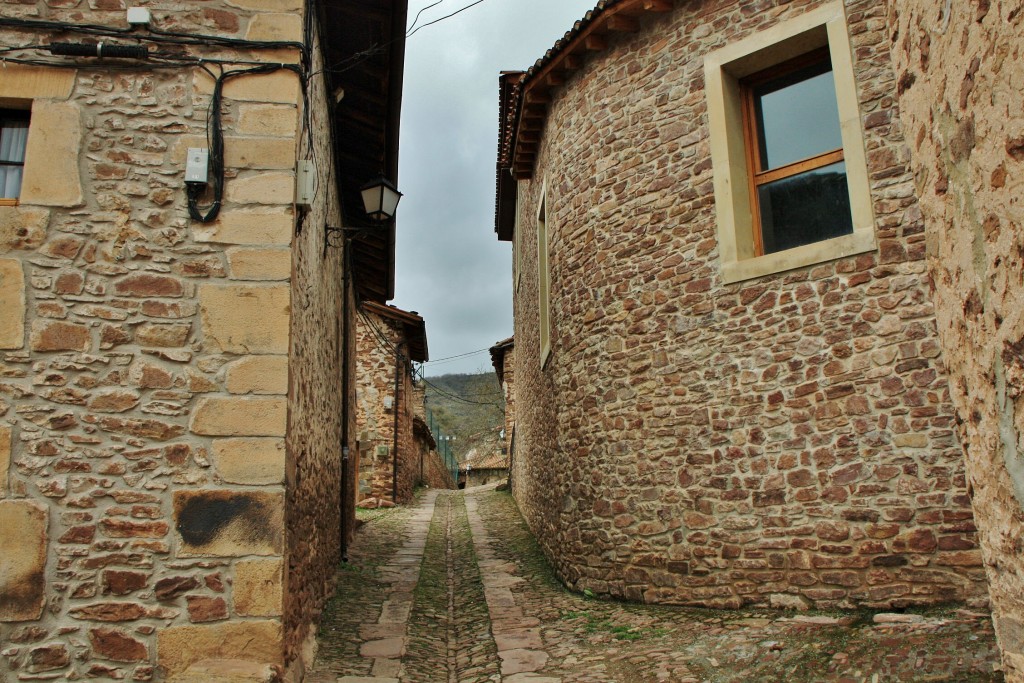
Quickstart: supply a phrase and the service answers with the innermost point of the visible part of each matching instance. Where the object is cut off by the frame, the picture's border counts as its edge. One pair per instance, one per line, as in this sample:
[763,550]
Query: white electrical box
[138,16]
[197,164]
[305,183]
[388,402]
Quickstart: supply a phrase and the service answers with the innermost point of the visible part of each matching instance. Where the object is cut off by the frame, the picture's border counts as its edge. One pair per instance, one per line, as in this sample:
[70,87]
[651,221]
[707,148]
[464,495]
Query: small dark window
[13,136]
[795,152]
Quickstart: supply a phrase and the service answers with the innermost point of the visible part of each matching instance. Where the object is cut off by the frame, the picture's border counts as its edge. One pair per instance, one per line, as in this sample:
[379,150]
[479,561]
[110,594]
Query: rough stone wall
[314,487]
[375,413]
[145,364]
[960,83]
[508,387]
[787,440]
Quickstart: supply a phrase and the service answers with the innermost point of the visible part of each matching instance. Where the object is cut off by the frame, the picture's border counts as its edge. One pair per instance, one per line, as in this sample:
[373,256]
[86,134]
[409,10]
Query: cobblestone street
[453,589]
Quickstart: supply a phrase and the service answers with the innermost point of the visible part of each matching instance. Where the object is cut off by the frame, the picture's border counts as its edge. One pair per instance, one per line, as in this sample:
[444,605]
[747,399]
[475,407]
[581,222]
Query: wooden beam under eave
[659,5]
[623,24]
[529,136]
[531,124]
[595,43]
[555,79]
[537,97]
[573,62]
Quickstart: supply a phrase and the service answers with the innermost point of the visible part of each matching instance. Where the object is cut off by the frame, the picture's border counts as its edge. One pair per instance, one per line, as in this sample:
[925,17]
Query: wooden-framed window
[787,148]
[13,138]
[797,178]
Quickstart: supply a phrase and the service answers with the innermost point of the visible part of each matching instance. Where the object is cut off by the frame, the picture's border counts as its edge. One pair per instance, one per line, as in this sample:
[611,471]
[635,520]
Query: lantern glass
[380,199]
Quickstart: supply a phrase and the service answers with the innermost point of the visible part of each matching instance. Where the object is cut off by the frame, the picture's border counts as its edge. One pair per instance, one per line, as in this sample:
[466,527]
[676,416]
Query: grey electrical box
[197,164]
[305,183]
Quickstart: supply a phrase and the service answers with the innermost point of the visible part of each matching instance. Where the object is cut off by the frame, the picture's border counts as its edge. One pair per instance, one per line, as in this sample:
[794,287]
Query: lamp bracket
[338,237]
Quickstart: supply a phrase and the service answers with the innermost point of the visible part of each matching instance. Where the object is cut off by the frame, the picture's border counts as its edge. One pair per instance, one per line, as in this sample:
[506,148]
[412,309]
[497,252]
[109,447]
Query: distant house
[396,448]
[479,469]
[728,383]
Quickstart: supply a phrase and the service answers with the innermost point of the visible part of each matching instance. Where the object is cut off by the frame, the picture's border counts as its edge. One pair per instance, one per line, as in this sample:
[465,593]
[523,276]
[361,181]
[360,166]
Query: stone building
[960,73]
[396,449]
[728,379]
[177,360]
[503,359]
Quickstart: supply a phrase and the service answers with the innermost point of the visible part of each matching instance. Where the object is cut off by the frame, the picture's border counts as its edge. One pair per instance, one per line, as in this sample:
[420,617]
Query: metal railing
[444,447]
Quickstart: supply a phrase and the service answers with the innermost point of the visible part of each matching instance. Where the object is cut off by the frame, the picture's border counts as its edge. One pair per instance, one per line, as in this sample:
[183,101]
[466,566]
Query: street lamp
[380,201]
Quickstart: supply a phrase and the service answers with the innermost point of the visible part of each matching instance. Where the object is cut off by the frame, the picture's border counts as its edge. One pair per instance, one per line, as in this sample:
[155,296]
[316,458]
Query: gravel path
[454,590]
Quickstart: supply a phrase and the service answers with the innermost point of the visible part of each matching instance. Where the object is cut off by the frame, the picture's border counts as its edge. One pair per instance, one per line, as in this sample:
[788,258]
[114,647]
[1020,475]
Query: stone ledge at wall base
[228,671]
[374,503]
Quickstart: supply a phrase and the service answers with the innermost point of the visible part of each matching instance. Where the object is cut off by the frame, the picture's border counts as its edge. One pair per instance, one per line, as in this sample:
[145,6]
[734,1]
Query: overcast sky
[450,266]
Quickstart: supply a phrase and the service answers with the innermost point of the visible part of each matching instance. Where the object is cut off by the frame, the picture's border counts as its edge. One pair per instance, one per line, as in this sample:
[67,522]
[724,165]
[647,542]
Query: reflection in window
[795,149]
[13,137]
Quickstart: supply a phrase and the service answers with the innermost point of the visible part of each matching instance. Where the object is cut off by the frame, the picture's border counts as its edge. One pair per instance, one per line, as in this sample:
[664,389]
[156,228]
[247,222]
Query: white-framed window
[543,276]
[13,140]
[787,147]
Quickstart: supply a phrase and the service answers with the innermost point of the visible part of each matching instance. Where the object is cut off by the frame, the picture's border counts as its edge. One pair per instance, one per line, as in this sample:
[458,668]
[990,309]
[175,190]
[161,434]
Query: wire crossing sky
[450,267]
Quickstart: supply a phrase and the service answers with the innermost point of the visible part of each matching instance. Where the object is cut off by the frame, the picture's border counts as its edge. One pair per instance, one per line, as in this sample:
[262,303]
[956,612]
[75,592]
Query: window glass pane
[13,137]
[10,182]
[798,120]
[805,208]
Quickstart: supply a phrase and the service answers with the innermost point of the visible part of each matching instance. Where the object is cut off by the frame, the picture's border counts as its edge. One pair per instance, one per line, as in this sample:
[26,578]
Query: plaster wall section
[789,440]
[960,74]
[146,361]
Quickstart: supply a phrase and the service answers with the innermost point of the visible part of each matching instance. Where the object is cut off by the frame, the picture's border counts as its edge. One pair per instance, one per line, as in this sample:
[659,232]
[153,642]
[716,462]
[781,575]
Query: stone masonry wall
[785,441]
[960,83]
[375,418]
[145,365]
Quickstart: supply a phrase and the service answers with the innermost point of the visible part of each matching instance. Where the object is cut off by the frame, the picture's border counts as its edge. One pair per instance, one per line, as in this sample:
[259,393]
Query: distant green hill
[469,407]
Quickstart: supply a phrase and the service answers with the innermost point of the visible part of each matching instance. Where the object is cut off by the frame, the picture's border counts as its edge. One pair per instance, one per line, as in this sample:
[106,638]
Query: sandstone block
[203,608]
[55,335]
[54,141]
[24,527]
[12,304]
[246,319]
[229,523]
[250,461]
[227,671]
[162,335]
[117,645]
[22,228]
[258,588]
[239,416]
[114,401]
[250,226]
[48,658]
[259,264]
[242,152]
[5,458]
[21,81]
[179,647]
[267,26]
[258,375]
[267,119]
[265,188]
[277,87]
[173,586]
[149,285]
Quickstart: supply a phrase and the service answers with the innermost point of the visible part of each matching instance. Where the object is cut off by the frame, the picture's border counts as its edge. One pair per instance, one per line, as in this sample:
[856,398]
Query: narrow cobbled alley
[453,589]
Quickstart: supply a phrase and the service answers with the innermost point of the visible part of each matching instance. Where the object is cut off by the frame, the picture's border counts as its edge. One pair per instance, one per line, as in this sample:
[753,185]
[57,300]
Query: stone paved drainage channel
[454,590]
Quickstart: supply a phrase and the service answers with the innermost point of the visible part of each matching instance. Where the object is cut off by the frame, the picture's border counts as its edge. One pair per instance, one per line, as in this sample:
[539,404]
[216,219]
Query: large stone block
[259,264]
[36,82]
[279,87]
[258,588]
[246,152]
[256,226]
[264,188]
[23,540]
[275,27]
[5,459]
[179,647]
[253,461]
[245,319]
[278,120]
[56,335]
[22,228]
[266,5]
[240,416]
[227,523]
[51,174]
[258,375]
[12,304]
